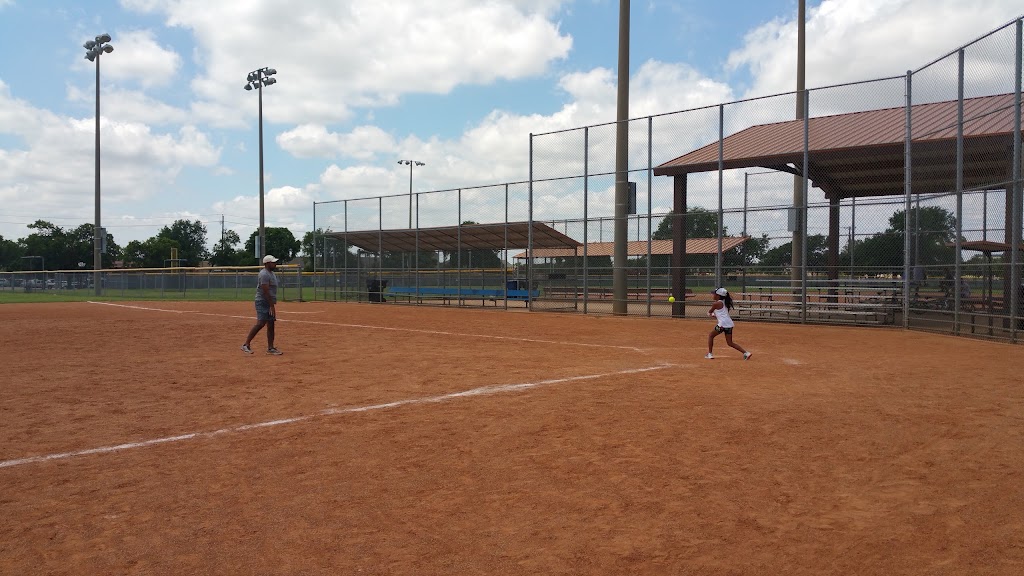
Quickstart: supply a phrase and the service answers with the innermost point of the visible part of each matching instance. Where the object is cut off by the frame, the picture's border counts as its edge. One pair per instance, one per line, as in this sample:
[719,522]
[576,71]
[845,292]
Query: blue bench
[447,294]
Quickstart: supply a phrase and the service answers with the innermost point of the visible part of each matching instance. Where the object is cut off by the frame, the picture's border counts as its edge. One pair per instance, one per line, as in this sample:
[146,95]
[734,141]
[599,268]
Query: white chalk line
[481,391]
[388,328]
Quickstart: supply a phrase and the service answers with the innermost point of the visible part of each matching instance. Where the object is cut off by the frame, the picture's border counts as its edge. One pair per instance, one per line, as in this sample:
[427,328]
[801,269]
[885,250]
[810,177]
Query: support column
[679,245]
[833,245]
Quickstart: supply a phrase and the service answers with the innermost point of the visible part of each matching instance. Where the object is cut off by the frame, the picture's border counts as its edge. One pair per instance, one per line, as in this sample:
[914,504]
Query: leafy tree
[280,242]
[782,256]
[225,252]
[10,254]
[700,223]
[152,253]
[190,238]
[64,249]
[750,252]
[885,250]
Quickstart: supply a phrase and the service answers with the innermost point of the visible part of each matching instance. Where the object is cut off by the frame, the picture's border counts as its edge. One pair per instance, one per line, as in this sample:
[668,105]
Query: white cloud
[314,141]
[854,41]
[131,106]
[339,55]
[52,172]
[138,57]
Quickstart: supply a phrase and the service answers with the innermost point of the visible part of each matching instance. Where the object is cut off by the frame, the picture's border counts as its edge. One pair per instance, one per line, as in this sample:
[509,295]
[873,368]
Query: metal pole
[799,238]
[803,206]
[853,232]
[907,189]
[313,255]
[380,243]
[721,216]
[504,260]
[97,258]
[410,193]
[458,247]
[263,231]
[1017,218]
[416,249]
[529,235]
[650,192]
[746,178]
[959,190]
[621,164]
[586,215]
[344,274]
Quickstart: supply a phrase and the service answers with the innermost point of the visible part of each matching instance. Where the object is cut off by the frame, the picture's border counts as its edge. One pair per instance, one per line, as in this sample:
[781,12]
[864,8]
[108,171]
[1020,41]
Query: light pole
[411,163]
[93,50]
[258,79]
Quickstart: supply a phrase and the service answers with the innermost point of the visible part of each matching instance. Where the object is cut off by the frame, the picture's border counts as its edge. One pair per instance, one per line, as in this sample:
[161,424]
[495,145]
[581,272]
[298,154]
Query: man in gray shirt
[266,306]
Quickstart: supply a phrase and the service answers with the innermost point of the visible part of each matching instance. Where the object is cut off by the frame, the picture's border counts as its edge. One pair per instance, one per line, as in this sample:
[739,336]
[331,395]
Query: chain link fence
[894,201]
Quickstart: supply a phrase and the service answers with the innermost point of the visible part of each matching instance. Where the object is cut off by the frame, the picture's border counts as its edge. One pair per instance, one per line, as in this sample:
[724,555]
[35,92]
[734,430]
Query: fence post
[721,218]
[529,235]
[1017,218]
[586,216]
[803,209]
[959,191]
[907,188]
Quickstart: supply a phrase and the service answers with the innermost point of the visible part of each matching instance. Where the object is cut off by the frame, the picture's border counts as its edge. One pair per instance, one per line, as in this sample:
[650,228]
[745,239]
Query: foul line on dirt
[388,328]
[481,391]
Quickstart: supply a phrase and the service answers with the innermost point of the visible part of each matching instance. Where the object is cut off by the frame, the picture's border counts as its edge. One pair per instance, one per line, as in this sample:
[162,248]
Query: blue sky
[458,84]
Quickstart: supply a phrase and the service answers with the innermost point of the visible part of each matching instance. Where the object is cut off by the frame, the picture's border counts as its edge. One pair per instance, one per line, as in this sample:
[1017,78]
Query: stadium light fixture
[256,80]
[93,50]
[411,163]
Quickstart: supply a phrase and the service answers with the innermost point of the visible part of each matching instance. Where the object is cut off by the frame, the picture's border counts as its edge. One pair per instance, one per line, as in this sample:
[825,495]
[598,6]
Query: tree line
[52,247]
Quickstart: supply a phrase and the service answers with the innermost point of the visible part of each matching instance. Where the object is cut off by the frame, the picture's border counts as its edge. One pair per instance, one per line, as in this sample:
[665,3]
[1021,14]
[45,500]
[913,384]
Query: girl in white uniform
[720,309]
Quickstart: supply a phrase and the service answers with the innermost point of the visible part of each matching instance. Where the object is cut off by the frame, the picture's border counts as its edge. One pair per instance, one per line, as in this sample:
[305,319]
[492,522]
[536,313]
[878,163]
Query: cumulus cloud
[131,106]
[51,172]
[139,59]
[853,41]
[314,141]
[333,57]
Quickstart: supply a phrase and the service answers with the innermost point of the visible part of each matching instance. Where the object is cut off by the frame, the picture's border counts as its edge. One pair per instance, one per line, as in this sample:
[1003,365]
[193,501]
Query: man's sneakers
[246,349]
[710,356]
[274,352]
[747,355]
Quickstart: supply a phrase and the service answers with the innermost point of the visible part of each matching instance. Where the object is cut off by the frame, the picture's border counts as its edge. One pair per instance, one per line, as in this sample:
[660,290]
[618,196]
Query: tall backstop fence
[891,201]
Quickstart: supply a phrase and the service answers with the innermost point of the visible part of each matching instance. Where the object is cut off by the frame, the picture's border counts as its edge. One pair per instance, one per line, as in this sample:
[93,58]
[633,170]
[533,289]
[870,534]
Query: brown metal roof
[694,246]
[453,238]
[862,154]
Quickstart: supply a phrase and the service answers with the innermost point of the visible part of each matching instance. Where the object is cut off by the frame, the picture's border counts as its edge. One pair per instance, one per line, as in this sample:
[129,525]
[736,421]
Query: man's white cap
[269,258]
[722,292]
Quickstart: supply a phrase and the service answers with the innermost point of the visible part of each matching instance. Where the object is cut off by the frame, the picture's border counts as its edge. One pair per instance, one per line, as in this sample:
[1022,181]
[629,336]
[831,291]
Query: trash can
[375,289]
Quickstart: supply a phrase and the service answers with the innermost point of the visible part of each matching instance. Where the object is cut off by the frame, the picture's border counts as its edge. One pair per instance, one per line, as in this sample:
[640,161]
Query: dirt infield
[405,440]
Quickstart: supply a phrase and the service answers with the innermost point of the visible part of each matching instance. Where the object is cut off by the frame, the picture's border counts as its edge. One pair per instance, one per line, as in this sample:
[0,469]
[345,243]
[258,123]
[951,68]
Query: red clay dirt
[831,451]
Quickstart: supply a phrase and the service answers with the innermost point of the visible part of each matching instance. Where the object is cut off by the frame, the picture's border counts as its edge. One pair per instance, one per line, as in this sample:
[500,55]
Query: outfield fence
[223,283]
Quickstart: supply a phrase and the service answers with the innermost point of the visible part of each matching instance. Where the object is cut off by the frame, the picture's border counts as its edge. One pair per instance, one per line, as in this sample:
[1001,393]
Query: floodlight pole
[97,242]
[94,49]
[258,79]
[263,230]
[411,163]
